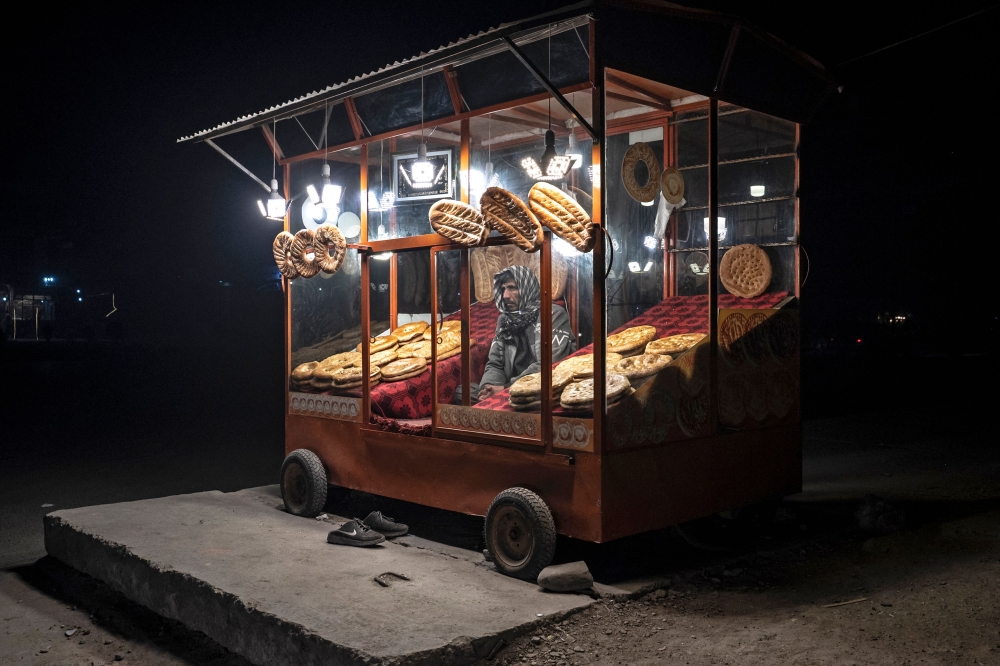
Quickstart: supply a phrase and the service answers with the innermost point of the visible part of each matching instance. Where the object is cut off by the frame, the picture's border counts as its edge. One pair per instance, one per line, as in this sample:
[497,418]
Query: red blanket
[672,315]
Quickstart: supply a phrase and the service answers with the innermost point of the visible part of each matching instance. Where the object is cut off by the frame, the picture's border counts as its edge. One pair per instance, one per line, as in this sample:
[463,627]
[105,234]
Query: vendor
[517,343]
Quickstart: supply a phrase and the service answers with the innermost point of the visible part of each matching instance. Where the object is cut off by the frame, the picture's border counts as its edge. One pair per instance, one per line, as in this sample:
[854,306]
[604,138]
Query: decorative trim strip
[490,421]
[570,433]
[336,407]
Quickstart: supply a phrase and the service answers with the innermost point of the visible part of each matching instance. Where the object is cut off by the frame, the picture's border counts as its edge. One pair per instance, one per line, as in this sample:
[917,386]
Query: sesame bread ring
[641,152]
[282,248]
[304,254]
[330,248]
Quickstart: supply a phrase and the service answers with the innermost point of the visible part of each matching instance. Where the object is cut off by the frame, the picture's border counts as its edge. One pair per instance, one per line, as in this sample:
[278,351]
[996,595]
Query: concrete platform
[267,586]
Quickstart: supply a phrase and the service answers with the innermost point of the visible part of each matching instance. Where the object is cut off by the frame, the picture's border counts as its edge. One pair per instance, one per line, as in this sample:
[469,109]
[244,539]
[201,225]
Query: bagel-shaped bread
[507,214]
[565,217]
[458,222]
[641,152]
[282,249]
[304,253]
[330,248]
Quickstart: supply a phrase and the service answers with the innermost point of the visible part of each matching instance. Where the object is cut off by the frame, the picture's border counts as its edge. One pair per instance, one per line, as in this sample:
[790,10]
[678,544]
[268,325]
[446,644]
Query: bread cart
[676,131]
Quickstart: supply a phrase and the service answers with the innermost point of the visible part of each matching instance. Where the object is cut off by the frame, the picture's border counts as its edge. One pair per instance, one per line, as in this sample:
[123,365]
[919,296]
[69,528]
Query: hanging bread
[563,215]
[330,248]
[745,271]
[641,152]
[485,264]
[282,248]
[507,214]
[304,253]
[458,222]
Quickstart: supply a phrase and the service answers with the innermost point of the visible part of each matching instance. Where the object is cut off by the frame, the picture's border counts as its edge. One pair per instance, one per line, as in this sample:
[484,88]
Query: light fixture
[572,153]
[651,242]
[634,267]
[756,190]
[422,171]
[649,264]
[721,228]
[276,205]
[551,166]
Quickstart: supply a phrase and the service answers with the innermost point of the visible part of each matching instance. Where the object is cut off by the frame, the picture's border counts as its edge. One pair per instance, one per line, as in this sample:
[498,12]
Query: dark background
[898,176]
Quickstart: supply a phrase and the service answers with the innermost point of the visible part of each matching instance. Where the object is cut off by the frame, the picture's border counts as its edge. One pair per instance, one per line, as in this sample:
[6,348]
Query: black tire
[303,483]
[520,533]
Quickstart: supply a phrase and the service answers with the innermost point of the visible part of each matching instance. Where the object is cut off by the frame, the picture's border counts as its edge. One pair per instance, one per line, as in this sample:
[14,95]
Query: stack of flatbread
[317,375]
[381,343]
[346,379]
[411,331]
[404,368]
[563,215]
[450,325]
[449,344]
[632,341]
[526,392]
[582,366]
[579,396]
[674,344]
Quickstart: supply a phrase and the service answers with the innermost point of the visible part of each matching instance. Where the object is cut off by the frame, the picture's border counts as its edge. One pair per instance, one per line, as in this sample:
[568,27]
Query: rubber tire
[543,528]
[309,501]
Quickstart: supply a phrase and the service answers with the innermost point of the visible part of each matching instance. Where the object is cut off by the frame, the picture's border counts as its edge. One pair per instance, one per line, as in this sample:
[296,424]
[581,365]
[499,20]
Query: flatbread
[458,222]
[582,366]
[580,394]
[563,215]
[506,213]
[303,372]
[527,407]
[410,331]
[674,344]
[404,366]
[353,374]
[643,365]
[630,339]
[343,360]
[383,357]
[450,325]
[531,385]
[381,343]
[745,271]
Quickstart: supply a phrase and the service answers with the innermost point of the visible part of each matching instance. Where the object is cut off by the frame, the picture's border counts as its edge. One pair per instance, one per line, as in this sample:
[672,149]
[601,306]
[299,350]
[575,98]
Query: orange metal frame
[596,496]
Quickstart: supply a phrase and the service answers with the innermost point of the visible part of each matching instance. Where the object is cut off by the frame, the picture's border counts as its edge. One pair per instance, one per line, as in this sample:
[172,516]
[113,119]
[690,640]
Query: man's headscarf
[511,323]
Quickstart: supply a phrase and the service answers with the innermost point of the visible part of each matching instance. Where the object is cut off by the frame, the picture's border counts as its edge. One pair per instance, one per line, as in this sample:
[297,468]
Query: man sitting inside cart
[517,343]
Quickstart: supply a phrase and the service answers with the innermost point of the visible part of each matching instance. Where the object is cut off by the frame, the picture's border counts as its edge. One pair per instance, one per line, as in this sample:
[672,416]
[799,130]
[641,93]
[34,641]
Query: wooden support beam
[628,85]
[636,100]
[272,142]
[451,78]
[352,115]
[524,122]
[318,154]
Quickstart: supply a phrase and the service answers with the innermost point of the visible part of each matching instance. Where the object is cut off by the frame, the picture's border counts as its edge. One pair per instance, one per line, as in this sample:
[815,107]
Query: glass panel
[657,313]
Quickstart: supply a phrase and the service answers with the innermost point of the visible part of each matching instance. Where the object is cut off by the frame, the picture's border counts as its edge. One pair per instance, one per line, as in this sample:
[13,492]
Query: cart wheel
[520,533]
[303,483]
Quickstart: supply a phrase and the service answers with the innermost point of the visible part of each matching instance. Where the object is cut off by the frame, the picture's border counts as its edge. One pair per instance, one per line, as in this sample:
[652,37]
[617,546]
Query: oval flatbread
[343,360]
[745,271]
[381,343]
[352,375]
[674,344]
[563,215]
[410,331]
[643,365]
[507,214]
[383,357]
[458,222]
[581,394]
[404,368]
[531,385]
[303,372]
[450,325]
[582,366]
[630,340]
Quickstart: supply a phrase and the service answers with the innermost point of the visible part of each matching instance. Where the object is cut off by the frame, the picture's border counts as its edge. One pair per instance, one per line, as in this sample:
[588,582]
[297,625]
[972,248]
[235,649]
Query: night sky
[898,171]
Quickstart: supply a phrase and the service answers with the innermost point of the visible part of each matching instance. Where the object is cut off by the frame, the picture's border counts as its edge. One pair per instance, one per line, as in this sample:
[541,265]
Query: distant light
[651,242]
[48,280]
[79,299]
[78,291]
[756,190]
[721,229]
[859,341]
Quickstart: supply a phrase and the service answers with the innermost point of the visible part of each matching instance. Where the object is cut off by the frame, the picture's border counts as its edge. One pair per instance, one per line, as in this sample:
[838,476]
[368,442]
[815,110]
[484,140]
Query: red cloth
[671,316]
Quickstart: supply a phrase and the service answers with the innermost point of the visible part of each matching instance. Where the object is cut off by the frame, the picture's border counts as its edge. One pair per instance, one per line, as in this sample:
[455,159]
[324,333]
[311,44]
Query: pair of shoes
[371,531]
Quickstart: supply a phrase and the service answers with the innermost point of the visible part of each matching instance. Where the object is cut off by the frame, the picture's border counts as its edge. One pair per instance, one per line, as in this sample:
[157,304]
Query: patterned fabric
[672,315]
[512,323]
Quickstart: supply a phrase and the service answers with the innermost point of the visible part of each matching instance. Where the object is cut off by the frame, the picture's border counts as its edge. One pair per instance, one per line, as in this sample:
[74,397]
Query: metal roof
[478,45]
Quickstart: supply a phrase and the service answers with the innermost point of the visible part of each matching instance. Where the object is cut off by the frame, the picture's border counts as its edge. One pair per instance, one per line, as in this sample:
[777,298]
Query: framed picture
[412,181]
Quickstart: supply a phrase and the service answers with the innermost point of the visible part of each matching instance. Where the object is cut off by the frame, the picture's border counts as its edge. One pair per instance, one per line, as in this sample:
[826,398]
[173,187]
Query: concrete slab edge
[260,637]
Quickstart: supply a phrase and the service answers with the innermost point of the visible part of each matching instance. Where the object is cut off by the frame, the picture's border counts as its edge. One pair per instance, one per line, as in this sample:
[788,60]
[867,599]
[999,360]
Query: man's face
[511,295]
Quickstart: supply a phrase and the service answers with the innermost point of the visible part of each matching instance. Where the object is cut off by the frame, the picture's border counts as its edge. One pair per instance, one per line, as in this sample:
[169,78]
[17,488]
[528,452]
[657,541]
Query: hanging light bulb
[550,166]
[275,209]
[422,171]
[573,152]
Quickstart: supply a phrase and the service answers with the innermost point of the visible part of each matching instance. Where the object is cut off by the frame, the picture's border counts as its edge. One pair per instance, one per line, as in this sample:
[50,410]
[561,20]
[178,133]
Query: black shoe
[384,525]
[355,533]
